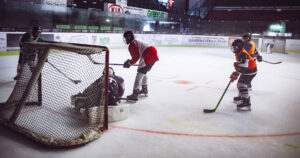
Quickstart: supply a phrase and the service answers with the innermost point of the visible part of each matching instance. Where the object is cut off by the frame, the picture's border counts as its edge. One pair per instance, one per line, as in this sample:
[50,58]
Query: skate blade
[131,101]
[143,95]
[243,108]
[237,101]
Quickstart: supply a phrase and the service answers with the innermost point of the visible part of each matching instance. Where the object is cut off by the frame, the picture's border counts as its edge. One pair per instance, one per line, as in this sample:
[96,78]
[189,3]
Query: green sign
[105,28]
[93,27]
[104,40]
[80,27]
[118,29]
[63,26]
[278,27]
[155,14]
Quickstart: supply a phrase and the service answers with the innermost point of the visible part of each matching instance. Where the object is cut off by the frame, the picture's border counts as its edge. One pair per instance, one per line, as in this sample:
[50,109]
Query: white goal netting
[42,106]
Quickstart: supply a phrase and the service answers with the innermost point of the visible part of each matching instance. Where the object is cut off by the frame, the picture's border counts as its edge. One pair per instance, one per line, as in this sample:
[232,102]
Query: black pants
[243,85]
[145,69]
[246,79]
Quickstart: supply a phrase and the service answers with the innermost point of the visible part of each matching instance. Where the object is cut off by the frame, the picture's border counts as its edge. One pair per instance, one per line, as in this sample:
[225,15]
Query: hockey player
[34,36]
[249,46]
[147,56]
[246,66]
[89,97]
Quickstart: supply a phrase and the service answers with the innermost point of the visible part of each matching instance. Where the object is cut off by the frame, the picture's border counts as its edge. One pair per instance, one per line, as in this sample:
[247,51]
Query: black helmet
[36,29]
[247,36]
[128,35]
[238,44]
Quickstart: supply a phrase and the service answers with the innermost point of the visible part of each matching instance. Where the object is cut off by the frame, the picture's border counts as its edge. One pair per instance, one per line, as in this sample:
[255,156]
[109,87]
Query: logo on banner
[115,9]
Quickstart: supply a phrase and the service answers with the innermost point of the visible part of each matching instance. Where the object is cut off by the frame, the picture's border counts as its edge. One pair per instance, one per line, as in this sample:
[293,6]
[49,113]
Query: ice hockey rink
[170,123]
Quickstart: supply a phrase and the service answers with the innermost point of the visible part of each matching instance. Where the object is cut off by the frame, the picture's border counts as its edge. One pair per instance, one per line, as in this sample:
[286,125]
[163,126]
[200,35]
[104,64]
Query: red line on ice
[207,135]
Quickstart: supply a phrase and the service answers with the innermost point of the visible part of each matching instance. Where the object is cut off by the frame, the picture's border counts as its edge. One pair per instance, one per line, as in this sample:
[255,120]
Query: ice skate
[144,91]
[134,96]
[245,105]
[238,98]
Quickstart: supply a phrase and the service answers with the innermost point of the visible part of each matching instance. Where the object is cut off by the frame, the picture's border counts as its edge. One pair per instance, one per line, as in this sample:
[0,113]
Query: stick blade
[209,110]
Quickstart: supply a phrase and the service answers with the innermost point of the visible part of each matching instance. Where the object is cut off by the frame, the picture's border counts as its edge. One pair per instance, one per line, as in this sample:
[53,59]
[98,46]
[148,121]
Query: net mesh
[42,103]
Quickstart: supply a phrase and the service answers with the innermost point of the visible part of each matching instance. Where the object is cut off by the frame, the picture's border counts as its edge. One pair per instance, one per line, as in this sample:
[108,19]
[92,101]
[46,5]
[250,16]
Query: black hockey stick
[97,63]
[213,110]
[74,81]
[272,62]
[121,64]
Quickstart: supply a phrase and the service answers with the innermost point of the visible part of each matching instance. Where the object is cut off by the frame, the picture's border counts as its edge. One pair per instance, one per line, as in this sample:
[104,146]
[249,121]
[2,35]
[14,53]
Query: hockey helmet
[36,29]
[237,45]
[128,36]
[247,36]
[111,71]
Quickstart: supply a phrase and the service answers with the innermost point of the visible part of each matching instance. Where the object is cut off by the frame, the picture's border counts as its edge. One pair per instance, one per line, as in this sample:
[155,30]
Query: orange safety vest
[252,50]
[251,62]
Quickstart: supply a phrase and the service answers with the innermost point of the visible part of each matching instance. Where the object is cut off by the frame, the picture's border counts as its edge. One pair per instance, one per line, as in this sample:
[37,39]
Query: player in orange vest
[250,47]
[246,66]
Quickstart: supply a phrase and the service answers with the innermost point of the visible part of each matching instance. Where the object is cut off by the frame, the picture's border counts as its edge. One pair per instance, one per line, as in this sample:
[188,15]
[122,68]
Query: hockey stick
[213,110]
[74,81]
[121,64]
[97,63]
[272,62]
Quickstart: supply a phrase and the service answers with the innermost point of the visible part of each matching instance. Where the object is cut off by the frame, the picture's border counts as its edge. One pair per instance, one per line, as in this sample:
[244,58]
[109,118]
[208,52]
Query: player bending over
[246,66]
[25,55]
[147,56]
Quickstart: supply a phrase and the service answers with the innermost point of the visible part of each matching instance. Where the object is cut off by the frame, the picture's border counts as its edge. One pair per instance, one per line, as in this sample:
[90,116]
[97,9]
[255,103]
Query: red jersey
[141,51]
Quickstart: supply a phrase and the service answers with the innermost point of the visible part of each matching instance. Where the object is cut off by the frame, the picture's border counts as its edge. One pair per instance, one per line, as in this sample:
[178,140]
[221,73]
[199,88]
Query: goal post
[41,105]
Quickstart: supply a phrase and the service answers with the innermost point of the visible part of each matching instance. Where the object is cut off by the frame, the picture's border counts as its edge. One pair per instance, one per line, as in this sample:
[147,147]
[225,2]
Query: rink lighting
[147,27]
[256,34]
[275,27]
[272,34]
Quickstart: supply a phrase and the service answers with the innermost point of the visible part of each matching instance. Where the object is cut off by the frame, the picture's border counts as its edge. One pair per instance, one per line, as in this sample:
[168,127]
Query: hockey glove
[259,58]
[127,64]
[236,65]
[234,76]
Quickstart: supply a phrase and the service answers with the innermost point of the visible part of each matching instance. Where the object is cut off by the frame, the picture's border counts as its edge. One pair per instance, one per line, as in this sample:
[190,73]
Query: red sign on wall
[115,9]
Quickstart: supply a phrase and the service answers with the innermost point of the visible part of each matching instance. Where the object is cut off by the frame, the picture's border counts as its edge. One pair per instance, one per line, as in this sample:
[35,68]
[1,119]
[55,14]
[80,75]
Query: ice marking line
[206,135]
[192,88]
[208,82]
[182,82]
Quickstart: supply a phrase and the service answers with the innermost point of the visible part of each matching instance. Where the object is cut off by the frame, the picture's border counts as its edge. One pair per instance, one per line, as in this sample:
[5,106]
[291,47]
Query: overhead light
[107,20]
[255,34]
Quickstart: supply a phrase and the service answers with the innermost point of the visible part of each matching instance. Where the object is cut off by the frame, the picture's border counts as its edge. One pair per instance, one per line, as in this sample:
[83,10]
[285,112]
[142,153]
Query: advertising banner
[292,44]
[204,40]
[3,42]
[124,9]
[55,2]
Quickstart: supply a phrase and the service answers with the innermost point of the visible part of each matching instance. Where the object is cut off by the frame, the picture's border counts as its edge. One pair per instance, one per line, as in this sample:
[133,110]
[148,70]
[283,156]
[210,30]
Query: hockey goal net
[41,105]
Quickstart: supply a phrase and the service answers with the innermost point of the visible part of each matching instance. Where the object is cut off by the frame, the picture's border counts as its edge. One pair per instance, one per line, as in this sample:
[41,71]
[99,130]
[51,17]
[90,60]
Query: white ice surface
[173,108]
